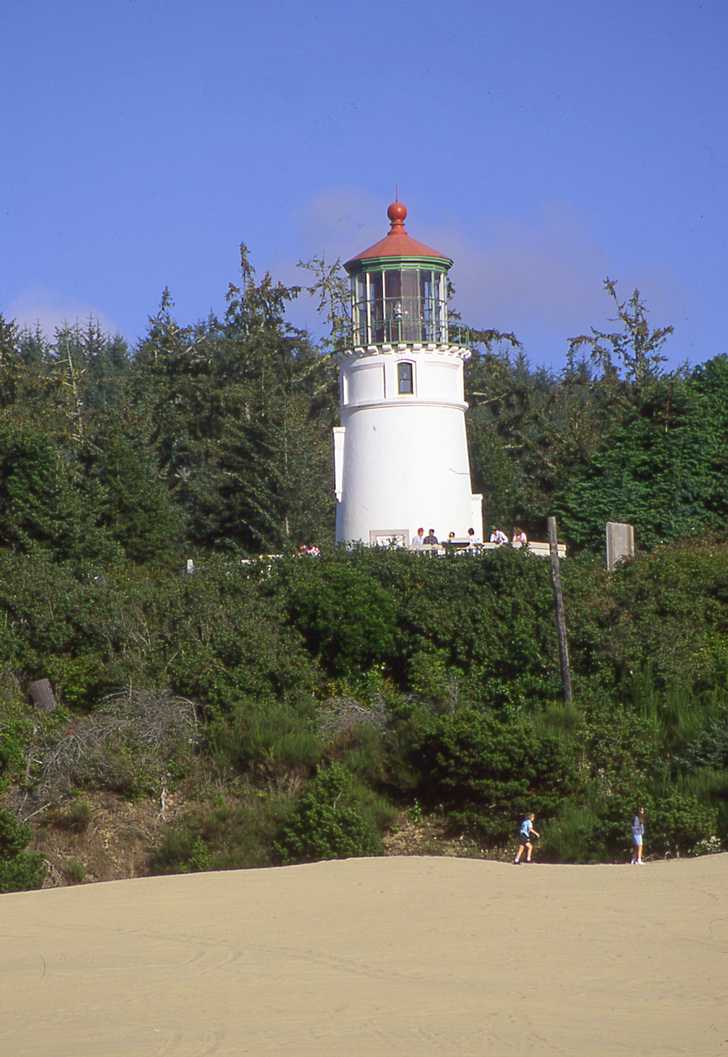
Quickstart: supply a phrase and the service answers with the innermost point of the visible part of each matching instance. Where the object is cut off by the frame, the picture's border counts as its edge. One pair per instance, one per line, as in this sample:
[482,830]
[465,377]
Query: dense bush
[486,772]
[19,869]
[395,675]
[347,618]
[23,871]
[335,818]
[573,835]
[266,738]
[680,822]
[223,835]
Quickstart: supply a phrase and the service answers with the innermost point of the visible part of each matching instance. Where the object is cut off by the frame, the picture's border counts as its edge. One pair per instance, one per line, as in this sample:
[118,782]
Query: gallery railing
[395,320]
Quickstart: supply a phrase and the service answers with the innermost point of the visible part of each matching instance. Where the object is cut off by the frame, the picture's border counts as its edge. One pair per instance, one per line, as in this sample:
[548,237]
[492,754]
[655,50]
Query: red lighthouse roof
[397,243]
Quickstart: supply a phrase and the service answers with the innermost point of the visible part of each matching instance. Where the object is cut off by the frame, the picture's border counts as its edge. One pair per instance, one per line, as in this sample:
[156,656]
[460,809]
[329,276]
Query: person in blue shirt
[638,833]
[524,838]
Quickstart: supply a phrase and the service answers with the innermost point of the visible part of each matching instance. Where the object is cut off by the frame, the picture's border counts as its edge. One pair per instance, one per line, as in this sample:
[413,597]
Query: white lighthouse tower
[401,454]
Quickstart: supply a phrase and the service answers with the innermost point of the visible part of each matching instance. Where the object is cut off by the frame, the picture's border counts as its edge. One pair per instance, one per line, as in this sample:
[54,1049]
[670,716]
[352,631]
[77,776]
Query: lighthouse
[400,453]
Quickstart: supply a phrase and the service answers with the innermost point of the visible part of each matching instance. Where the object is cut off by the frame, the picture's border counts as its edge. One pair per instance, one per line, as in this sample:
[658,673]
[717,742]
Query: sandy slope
[385,957]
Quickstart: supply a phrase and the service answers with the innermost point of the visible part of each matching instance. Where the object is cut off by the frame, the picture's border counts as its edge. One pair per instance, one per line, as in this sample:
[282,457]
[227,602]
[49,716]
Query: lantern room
[399,289]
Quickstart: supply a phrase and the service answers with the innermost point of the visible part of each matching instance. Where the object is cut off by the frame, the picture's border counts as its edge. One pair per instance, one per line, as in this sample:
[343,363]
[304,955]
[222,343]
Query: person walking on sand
[524,838]
[638,833]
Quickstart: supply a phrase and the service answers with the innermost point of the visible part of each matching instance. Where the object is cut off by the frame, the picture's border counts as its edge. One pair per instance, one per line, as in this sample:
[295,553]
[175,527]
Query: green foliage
[346,617]
[75,871]
[573,836]
[78,681]
[335,818]
[19,869]
[138,508]
[680,822]
[435,627]
[632,354]
[655,470]
[223,835]
[486,771]
[15,733]
[241,426]
[269,738]
[44,503]
[14,835]
[22,872]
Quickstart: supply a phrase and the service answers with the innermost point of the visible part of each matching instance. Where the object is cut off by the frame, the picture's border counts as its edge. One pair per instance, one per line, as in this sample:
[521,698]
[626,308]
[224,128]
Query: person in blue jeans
[638,833]
[525,833]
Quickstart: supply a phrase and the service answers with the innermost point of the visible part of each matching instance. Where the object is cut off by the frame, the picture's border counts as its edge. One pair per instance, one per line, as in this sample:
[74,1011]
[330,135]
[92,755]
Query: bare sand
[399,957]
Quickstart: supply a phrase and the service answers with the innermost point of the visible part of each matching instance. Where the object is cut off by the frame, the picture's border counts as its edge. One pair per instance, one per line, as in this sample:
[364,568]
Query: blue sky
[544,146]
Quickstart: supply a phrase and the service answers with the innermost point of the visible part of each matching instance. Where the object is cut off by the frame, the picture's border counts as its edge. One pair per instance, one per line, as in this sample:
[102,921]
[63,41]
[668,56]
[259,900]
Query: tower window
[405,378]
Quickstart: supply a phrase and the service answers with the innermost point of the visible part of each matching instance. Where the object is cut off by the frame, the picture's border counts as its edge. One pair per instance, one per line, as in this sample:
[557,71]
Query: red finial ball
[397,213]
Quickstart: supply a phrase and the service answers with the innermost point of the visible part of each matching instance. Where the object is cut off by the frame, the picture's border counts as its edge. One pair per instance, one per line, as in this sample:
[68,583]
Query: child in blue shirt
[524,838]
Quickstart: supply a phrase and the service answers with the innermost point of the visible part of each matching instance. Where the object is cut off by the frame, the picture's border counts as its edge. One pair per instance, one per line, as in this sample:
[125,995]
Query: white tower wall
[402,458]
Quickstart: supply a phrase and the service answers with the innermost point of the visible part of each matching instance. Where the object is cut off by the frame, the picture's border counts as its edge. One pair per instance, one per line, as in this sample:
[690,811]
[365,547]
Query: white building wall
[402,460]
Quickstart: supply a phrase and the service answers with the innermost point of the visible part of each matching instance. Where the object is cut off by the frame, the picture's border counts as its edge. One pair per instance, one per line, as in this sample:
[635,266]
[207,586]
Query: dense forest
[282,710]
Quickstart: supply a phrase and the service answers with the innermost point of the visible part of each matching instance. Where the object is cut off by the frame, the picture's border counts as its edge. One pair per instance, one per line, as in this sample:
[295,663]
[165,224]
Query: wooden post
[560,614]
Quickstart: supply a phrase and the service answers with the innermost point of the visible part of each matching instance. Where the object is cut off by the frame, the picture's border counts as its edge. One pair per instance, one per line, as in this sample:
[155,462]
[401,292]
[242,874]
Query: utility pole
[560,614]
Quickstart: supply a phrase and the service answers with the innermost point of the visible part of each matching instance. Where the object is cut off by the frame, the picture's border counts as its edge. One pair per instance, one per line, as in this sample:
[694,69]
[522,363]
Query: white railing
[459,547]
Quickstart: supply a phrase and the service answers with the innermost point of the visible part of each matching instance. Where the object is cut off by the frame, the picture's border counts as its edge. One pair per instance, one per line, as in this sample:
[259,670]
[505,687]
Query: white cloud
[540,275]
[340,222]
[48,310]
[544,275]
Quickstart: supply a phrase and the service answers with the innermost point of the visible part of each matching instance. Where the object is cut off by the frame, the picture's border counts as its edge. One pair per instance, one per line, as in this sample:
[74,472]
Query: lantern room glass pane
[428,305]
[376,307]
[411,309]
[393,309]
[393,280]
[359,293]
[411,285]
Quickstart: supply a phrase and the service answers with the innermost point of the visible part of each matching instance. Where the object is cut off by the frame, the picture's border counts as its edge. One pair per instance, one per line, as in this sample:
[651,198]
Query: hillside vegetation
[289,709]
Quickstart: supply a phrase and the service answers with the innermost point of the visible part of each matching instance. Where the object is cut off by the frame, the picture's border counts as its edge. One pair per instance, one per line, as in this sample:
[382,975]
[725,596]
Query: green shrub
[346,617]
[431,677]
[14,736]
[19,869]
[23,872]
[222,836]
[14,834]
[487,772]
[573,836]
[679,822]
[79,681]
[74,871]
[335,818]
[76,818]
[268,737]
[363,751]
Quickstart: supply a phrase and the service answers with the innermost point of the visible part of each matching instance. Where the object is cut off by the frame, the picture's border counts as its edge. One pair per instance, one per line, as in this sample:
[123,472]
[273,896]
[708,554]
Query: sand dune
[385,957]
